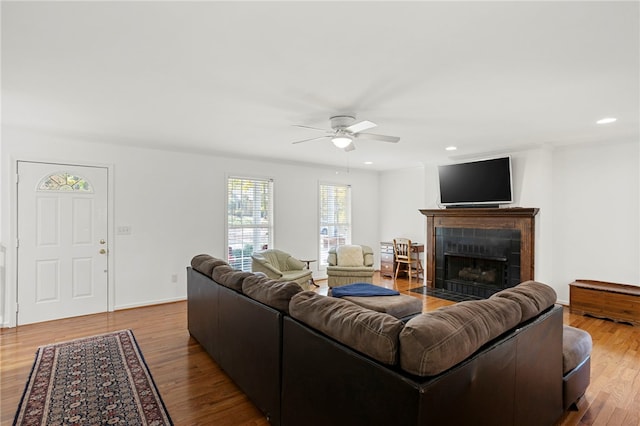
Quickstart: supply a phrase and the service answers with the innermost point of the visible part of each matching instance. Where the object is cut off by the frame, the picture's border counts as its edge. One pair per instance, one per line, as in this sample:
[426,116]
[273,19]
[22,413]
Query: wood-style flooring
[197,392]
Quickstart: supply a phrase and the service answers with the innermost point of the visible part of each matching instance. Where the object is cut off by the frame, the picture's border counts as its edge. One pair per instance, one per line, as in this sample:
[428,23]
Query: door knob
[102,242]
[102,251]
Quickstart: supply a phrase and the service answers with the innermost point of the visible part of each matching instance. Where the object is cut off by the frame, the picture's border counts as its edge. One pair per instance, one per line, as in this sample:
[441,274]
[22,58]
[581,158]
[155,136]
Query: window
[63,181]
[249,219]
[335,218]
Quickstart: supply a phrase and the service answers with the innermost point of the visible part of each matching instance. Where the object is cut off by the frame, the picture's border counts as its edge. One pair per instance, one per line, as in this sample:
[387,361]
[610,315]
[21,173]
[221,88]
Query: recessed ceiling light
[451,148]
[368,162]
[606,120]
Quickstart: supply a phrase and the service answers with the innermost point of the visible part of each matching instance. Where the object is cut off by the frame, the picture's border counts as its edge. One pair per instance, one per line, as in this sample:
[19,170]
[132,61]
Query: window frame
[270,227]
[323,243]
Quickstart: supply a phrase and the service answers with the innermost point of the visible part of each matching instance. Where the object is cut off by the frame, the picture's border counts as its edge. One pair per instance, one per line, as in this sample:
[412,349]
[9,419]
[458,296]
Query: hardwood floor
[197,392]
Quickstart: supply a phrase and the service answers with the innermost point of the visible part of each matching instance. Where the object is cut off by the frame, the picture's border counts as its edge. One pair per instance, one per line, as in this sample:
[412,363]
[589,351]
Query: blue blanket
[362,290]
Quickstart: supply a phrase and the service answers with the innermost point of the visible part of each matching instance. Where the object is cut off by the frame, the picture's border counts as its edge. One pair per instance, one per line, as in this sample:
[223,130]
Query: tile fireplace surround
[515,220]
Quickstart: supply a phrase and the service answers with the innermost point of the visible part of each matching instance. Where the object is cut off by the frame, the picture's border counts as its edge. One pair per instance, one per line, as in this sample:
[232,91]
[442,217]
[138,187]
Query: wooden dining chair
[404,255]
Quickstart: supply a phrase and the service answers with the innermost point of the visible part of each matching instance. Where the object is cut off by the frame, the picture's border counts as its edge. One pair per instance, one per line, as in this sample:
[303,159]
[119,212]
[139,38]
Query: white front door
[62,241]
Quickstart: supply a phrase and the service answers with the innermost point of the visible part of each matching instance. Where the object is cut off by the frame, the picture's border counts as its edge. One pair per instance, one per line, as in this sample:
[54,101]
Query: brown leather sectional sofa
[307,359]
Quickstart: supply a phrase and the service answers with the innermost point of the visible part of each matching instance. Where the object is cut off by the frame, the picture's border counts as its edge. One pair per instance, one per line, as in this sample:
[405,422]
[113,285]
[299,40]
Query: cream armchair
[350,264]
[281,266]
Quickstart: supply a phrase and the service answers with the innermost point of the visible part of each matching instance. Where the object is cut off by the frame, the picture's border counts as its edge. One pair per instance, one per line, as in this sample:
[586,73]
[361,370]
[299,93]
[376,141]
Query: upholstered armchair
[350,264]
[279,265]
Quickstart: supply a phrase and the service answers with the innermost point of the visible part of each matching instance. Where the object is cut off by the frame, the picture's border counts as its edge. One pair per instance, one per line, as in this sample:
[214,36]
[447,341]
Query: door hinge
[17,308]
[17,178]
[17,242]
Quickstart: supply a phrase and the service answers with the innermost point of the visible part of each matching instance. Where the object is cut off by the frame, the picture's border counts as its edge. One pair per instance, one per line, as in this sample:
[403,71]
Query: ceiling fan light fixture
[341,141]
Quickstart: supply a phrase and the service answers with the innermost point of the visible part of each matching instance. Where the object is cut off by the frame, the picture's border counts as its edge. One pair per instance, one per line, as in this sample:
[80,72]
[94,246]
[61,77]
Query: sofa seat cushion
[205,263]
[274,293]
[350,255]
[229,277]
[350,272]
[435,341]
[296,275]
[576,347]
[532,296]
[374,334]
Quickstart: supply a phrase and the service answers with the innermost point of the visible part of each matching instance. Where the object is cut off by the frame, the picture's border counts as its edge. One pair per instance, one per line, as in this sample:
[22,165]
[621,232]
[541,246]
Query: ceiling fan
[344,130]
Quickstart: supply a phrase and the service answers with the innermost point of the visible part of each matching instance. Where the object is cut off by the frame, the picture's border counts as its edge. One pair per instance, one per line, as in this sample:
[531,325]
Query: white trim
[9,314]
[150,303]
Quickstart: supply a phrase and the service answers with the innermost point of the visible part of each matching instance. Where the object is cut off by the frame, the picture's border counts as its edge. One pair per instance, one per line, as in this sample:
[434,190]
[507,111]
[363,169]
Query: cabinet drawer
[386,257]
[386,248]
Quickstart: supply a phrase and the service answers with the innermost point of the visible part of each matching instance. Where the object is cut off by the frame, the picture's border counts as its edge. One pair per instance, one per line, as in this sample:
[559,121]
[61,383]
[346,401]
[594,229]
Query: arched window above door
[63,181]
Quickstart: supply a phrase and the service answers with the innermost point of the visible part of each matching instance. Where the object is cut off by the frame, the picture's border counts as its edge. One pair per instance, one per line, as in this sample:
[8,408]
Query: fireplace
[477,262]
[479,251]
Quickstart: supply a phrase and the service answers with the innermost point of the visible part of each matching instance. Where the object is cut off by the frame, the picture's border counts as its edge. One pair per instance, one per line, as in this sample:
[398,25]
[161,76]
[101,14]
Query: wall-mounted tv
[481,183]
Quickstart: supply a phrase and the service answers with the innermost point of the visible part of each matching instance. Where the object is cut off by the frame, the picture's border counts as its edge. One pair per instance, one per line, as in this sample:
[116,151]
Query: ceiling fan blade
[383,138]
[350,147]
[312,139]
[309,127]
[358,127]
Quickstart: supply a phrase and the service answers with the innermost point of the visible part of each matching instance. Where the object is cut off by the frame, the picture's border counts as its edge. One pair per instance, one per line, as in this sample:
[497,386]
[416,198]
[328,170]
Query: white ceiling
[233,77]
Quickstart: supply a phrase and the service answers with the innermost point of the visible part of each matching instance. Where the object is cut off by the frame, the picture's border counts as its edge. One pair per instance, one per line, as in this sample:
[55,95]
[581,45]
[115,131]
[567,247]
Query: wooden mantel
[483,218]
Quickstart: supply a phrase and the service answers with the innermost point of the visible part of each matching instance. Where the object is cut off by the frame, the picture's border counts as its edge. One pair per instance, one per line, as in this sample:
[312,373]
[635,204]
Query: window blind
[335,218]
[249,219]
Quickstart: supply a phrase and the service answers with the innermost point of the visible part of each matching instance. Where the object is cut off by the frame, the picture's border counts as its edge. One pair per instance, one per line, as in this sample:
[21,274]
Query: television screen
[477,182]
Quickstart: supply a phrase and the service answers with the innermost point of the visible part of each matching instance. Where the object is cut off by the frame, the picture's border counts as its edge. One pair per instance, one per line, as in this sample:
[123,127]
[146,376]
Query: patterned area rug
[91,381]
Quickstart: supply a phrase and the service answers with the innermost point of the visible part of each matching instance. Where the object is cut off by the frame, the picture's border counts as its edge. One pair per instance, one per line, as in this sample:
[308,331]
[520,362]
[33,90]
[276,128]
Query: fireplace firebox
[477,262]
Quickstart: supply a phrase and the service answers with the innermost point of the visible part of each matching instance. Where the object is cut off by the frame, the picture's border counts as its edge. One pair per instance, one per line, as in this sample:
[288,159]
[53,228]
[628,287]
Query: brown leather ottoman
[402,306]
[380,299]
[576,365]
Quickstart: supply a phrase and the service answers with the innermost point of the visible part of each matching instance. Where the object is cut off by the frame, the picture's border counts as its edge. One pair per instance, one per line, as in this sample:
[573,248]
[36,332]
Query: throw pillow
[350,256]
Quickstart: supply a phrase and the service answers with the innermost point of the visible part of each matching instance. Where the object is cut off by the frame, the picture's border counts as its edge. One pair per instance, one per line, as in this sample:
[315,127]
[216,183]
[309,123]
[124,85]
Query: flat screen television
[478,183]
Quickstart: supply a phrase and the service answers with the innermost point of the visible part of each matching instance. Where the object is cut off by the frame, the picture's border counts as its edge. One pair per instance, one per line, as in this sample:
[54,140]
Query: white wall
[175,205]
[589,219]
[401,197]
[597,216]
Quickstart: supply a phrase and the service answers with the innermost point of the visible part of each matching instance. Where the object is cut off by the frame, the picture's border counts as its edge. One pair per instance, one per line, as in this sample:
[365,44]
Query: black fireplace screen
[478,262]
[471,270]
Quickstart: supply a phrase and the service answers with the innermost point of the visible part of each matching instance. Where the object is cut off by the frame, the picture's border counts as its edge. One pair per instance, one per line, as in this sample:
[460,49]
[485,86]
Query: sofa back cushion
[532,296]
[435,341]
[205,263]
[229,277]
[276,294]
[372,333]
[350,255]
[277,258]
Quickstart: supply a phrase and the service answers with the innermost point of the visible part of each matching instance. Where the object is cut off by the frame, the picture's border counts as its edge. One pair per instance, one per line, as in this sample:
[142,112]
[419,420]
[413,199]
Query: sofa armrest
[258,265]
[367,252]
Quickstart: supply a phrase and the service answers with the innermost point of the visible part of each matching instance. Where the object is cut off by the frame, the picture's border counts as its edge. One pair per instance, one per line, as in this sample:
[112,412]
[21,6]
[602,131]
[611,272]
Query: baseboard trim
[149,303]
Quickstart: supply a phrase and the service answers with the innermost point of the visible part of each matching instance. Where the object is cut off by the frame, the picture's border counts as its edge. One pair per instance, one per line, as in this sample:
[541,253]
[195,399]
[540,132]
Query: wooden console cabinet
[618,302]
[387,259]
